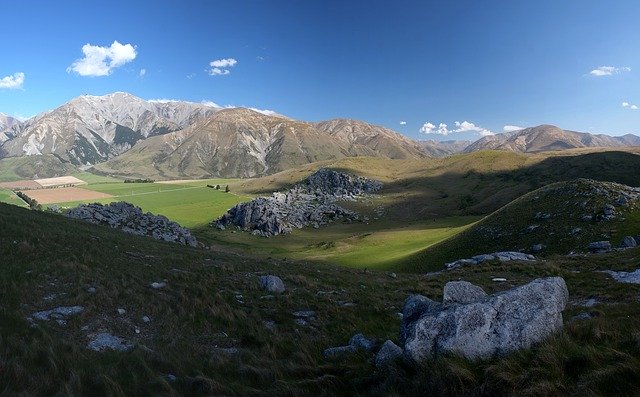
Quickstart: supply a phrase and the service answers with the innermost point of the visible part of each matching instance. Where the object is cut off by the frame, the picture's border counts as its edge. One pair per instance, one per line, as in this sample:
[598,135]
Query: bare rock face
[480,327]
[503,256]
[131,219]
[312,202]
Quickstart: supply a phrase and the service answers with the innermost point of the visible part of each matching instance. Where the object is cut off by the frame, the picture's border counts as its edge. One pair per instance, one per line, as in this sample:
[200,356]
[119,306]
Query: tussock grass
[199,312]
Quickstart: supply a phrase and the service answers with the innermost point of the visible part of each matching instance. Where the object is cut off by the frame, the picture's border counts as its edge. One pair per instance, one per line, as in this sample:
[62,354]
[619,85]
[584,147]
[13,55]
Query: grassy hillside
[563,217]
[212,301]
[31,167]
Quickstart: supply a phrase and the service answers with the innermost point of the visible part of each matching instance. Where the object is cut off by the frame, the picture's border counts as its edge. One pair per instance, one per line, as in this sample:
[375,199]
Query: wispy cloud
[101,61]
[12,82]
[221,67]
[461,127]
[609,70]
[628,105]
[142,73]
[511,128]
[403,123]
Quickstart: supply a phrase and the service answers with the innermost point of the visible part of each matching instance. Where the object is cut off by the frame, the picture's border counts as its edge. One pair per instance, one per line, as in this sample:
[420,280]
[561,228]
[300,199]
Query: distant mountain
[549,138]
[92,129]
[244,143]
[442,148]
[369,139]
[6,123]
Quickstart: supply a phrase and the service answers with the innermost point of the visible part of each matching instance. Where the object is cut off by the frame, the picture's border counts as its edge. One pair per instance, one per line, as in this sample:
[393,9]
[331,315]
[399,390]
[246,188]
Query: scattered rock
[57,313]
[338,351]
[229,351]
[591,302]
[583,316]
[625,277]
[499,279]
[270,325]
[121,311]
[629,242]
[537,248]
[388,353]
[393,275]
[132,219]
[461,292]
[158,285]
[309,203]
[91,290]
[503,256]
[497,324]
[273,284]
[576,230]
[359,341]
[146,319]
[105,341]
[599,247]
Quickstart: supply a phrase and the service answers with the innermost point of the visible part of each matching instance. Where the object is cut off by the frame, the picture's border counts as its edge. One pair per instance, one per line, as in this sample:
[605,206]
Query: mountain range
[125,135]
[544,138]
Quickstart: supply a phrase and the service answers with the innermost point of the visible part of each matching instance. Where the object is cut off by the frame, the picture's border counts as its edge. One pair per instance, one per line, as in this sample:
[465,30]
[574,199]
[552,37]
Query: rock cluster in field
[132,219]
[503,256]
[312,202]
[479,326]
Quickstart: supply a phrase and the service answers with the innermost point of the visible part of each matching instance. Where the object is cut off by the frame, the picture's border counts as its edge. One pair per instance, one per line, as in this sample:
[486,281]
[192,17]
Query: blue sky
[484,64]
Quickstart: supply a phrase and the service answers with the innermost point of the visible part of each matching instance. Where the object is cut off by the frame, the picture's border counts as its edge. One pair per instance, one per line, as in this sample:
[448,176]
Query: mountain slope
[92,129]
[6,123]
[243,143]
[549,138]
[366,139]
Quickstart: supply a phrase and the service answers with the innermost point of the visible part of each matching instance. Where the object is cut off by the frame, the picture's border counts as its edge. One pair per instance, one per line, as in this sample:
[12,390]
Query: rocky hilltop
[312,202]
[132,219]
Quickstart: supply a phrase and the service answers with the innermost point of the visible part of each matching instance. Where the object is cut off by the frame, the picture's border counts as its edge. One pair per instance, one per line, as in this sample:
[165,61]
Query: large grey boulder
[414,307]
[273,284]
[492,325]
[388,353]
[462,292]
[625,277]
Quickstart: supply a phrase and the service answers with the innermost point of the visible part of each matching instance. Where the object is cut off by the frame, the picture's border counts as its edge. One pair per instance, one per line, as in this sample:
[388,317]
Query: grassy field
[191,204]
[379,244]
[213,301]
[8,197]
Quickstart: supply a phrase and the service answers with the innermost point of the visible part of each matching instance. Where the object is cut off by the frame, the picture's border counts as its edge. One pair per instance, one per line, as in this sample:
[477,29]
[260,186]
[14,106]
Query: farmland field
[62,194]
[192,204]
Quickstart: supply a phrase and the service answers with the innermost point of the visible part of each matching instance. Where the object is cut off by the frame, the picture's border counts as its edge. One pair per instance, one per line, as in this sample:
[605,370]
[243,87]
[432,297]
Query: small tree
[226,189]
[217,187]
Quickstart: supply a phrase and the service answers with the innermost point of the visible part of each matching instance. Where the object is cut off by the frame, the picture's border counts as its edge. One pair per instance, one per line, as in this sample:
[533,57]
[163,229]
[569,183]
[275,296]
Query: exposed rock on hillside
[505,256]
[312,202]
[477,326]
[131,219]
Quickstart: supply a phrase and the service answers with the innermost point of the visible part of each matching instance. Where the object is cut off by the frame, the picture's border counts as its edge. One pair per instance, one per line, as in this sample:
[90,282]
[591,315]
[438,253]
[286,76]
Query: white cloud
[12,82]
[142,72]
[220,67]
[466,126]
[609,70]
[427,128]
[266,112]
[628,105]
[511,128]
[403,123]
[101,61]
[442,129]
